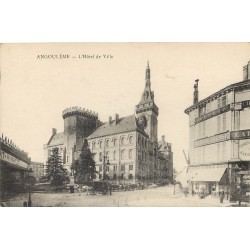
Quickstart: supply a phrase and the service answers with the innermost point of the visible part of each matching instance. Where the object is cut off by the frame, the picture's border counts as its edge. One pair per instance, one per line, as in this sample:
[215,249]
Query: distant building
[38,169]
[130,144]
[219,145]
[14,164]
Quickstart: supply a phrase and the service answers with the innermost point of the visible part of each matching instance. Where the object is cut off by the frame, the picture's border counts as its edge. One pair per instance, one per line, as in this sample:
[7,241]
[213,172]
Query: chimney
[54,131]
[116,118]
[196,92]
[110,120]
[246,72]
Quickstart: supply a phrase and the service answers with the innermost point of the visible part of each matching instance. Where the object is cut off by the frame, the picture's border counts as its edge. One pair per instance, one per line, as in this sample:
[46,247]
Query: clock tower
[146,111]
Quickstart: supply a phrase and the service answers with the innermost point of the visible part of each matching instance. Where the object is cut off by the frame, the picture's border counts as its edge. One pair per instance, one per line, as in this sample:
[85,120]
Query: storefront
[208,180]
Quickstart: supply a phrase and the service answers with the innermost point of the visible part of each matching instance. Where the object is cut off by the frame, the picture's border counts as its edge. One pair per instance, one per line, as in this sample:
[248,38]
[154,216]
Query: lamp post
[30,175]
[104,166]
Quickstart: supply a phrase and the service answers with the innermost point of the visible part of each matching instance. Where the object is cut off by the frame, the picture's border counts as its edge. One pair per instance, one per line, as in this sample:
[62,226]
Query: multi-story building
[129,144]
[219,138]
[14,165]
[38,169]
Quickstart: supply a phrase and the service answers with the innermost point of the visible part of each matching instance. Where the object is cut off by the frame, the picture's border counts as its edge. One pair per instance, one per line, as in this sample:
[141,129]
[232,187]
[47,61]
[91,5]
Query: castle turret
[78,125]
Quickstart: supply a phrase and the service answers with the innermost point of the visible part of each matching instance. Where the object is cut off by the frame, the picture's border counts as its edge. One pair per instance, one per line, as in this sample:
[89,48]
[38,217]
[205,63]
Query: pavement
[153,197]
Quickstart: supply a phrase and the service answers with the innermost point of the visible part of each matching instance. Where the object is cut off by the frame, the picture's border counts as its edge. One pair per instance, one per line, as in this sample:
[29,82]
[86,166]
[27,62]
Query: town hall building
[126,149]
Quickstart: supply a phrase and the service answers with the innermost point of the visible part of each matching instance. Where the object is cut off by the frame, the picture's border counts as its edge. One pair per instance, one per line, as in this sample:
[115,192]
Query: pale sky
[34,92]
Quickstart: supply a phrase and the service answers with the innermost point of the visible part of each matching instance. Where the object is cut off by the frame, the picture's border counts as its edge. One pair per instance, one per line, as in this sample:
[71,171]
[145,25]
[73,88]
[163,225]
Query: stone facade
[14,166]
[129,144]
[218,139]
[38,169]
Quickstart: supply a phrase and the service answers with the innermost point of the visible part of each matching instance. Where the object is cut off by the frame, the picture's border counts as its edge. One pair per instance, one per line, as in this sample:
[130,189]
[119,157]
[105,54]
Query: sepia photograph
[125,124]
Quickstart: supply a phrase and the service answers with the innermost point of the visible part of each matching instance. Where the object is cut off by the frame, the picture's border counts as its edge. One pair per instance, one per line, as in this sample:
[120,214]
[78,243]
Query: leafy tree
[85,165]
[55,171]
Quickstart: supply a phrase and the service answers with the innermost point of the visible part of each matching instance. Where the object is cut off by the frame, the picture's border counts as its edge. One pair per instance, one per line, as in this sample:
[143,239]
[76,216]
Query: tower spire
[147,78]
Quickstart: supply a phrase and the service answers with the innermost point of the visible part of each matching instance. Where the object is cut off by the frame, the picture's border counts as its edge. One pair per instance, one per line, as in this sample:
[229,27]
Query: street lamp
[104,166]
[30,171]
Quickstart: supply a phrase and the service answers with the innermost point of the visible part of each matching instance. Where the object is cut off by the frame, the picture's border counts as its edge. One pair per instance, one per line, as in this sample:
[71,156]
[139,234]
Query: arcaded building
[14,166]
[219,139]
[129,144]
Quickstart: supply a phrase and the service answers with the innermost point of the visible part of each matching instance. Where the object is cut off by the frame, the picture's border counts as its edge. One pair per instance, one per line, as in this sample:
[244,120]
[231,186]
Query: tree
[85,165]
[55,171]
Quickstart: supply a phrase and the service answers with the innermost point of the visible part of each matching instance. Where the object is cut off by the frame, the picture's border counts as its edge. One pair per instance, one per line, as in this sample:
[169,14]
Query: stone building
[38,169]
[219,139]
[14,165]
[129,144]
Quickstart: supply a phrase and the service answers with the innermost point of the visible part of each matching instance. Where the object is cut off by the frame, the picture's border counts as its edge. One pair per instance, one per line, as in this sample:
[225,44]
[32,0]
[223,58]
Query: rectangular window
[115,168]
[202,111]
[130,154]
[122,167]
[203,154]
[218,103]
[199,130]
[130,167]
[218,124]
[224,100]
[204,128]
[224,122]
[208,107]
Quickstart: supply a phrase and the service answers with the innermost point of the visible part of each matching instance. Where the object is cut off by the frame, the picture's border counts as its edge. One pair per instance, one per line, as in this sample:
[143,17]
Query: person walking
[222,195]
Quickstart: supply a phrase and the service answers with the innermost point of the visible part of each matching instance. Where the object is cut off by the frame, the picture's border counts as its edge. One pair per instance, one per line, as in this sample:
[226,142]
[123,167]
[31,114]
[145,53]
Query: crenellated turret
[79,111]
[8,146]
[79,123]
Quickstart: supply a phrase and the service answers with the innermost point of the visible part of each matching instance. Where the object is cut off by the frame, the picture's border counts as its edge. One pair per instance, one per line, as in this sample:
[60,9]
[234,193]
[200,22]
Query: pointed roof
[147,98]
[56,139]
[147,95]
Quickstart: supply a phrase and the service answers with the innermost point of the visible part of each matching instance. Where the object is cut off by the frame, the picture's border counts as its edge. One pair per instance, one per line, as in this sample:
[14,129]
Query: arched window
[142,156]
[139,140]
[93,145]
[131,139]
[107,143]
[100,144]
[123,154]
[130,177]
[142,142]
[115,142]
[107,154]
[130,154]
[122,141]
[100,156]
[114,155]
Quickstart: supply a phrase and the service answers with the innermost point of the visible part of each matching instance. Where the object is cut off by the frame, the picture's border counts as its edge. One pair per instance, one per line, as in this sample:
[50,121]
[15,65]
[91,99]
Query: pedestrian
[80,189]
[110,190]
[222,195]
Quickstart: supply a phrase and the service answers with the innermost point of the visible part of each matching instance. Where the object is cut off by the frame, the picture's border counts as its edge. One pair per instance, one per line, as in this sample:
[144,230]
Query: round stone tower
[78,124]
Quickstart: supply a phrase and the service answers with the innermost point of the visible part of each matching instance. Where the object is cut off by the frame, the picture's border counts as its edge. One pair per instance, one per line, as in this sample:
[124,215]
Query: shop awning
[243,172]
[206,174]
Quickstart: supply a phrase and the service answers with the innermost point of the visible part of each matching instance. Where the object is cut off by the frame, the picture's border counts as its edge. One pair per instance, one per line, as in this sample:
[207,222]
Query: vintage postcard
[125,125]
